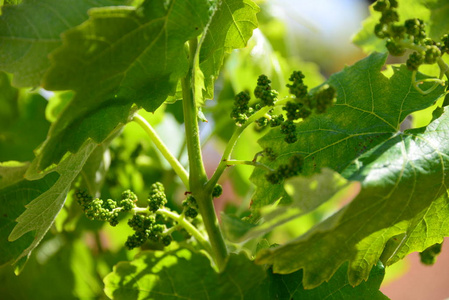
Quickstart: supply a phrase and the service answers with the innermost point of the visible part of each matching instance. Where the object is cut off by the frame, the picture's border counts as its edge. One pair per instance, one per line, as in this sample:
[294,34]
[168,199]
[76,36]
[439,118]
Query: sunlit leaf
[402,208]
[231,26]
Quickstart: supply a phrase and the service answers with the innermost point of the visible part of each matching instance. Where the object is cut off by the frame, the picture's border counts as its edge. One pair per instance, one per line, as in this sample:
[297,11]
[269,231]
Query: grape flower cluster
[149,224]
[303,104]
[105,210]
[410,34]
[284,171]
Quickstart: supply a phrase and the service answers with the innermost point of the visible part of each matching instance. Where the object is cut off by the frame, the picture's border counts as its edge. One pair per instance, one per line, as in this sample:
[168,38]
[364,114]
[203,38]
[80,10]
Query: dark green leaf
[22,122]
[61,269]
[121,56]
[14,195]
[181,274]
[402,208]
[234,228]
[12,172]
[31,30]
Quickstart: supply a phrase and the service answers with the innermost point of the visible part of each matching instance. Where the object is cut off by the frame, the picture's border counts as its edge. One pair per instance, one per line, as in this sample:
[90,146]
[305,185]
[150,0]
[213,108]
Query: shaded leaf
[181,274]
[365,97]
[307,194]
[46,200]
[234,228]
[31,30]
[402,208]
[15,193]
[8,102]
[22,122]
[61,269]
[121,56]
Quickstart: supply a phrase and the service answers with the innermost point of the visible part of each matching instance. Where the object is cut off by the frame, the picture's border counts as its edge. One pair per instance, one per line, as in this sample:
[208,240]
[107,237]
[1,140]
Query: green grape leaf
[402,208]
[10,2]
[119,57]
[22,122]
[61,269]
[31,30]
[12,172]
[365,97]
[56,104]
[8,102]
[289,286]
[181,274]
[230,28]
[45,201]
[432,12]
[15,193]
[234,228]
[307,194]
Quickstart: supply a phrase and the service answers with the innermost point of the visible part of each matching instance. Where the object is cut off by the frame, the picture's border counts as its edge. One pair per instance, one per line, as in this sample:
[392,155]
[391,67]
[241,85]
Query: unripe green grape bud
[191,213]
[270,154]
[128,194]
[445,43]
[380,30]
[397,31]
[263,80]
[217,191]
[432,54]
[389,16]
[290,138]
[393,4]
[276,120]
[166,240]
[113,219]
[414,61]
[262,122]
[380,5]
[109,204]
[394,48]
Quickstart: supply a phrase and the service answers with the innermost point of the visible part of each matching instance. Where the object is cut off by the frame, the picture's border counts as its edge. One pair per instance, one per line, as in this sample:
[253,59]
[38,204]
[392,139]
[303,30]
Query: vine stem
[175,164]
[188,227]
[444,68]
[198,177]
[226,157]
[256,164]
[437,82]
